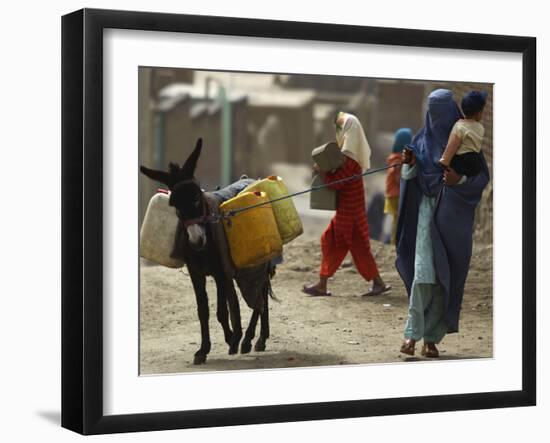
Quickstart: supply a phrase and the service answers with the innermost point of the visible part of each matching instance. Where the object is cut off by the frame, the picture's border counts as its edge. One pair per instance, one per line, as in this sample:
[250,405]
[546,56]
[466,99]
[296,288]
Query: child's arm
[450,150]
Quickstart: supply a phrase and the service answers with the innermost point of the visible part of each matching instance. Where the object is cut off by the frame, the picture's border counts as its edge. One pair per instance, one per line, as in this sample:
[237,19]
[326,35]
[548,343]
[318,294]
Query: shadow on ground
[262,360]
[445,358]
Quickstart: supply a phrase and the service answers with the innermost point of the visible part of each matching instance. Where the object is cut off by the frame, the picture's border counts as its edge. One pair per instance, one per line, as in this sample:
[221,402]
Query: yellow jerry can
[252,235]
[286,216]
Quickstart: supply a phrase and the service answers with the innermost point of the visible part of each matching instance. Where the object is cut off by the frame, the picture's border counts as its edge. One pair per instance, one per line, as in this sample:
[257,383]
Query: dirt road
[307,331]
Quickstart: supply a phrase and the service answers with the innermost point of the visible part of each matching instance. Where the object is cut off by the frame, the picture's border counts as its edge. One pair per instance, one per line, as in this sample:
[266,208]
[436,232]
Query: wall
[163,77]
[484,213]
[409,95]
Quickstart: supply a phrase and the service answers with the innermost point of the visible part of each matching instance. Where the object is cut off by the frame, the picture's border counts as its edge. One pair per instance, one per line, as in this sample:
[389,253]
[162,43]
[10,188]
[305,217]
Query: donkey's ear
[188,169]
[160,176]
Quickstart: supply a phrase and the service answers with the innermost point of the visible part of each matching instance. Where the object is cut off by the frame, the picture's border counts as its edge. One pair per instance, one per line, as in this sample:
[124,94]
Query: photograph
[299,220]
[274,222]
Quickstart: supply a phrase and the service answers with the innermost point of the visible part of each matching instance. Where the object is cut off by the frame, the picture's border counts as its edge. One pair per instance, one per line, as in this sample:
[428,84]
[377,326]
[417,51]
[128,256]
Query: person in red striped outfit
[348,231]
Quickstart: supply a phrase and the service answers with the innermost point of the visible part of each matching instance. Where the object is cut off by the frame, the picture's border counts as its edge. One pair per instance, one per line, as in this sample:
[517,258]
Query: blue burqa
[453,217]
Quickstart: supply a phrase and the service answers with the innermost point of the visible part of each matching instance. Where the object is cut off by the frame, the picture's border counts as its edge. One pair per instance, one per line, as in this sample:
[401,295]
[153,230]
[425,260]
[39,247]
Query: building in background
[251,122]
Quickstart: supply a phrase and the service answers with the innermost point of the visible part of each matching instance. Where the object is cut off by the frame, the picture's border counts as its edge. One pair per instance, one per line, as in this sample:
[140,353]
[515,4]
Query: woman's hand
[407,156]
[451,177]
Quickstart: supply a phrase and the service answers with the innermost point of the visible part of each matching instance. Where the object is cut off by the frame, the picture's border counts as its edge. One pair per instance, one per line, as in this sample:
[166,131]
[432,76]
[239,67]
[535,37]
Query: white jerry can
[158,232]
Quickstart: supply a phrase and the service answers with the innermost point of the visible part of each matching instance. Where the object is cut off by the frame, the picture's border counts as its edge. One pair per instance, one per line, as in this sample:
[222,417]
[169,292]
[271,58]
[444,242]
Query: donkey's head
[186,195]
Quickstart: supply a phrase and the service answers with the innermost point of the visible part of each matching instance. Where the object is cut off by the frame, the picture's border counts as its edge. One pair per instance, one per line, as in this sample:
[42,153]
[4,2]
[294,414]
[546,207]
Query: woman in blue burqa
[434,230]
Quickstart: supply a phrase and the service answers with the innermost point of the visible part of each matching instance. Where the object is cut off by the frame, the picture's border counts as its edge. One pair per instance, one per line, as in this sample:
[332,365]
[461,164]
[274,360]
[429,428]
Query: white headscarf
[353,141]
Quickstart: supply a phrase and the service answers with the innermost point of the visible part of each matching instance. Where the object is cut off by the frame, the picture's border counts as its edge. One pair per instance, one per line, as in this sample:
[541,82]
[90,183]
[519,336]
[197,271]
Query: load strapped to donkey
[248,229]
[254,236]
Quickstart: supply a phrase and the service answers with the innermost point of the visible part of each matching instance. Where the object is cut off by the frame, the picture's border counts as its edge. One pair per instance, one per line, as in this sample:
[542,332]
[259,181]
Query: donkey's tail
[269,286]
[271,293]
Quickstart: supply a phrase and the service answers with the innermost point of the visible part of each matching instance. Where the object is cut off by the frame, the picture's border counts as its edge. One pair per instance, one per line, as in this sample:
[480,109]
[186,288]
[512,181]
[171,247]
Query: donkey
[200,242]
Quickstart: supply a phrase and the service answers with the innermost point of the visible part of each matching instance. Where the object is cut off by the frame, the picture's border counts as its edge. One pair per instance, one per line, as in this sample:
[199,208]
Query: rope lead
[233,212]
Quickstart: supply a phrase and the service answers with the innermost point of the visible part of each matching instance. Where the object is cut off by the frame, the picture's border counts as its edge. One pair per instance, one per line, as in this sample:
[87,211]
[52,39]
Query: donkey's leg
[221,310]
[235,314]
[264,326]
[246,345]
[199,285]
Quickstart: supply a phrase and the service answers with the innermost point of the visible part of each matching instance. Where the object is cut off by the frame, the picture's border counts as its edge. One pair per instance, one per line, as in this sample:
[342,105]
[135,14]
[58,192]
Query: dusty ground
[306,331]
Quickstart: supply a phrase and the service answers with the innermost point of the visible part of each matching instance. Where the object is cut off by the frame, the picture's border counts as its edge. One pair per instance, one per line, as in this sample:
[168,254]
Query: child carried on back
[463,148]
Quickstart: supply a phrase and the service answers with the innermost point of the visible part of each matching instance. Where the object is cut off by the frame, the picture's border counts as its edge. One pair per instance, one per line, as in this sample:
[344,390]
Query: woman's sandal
[408,347]
[314,292]
[375,292]
[429,351]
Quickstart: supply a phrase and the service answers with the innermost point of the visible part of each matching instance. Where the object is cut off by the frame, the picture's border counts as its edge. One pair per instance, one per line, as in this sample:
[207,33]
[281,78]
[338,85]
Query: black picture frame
[82,218]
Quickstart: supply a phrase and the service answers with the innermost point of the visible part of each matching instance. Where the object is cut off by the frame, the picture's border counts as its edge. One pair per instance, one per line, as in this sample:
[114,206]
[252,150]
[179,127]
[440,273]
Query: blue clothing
[424,268]
[427,302]
[430,142]
[403,137]
[426,317]
[449,209]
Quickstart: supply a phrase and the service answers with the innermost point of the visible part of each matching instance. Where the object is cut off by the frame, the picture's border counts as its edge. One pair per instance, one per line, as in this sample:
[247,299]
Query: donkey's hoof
[246,347]
[234,345]
[199,359]
[259,346]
